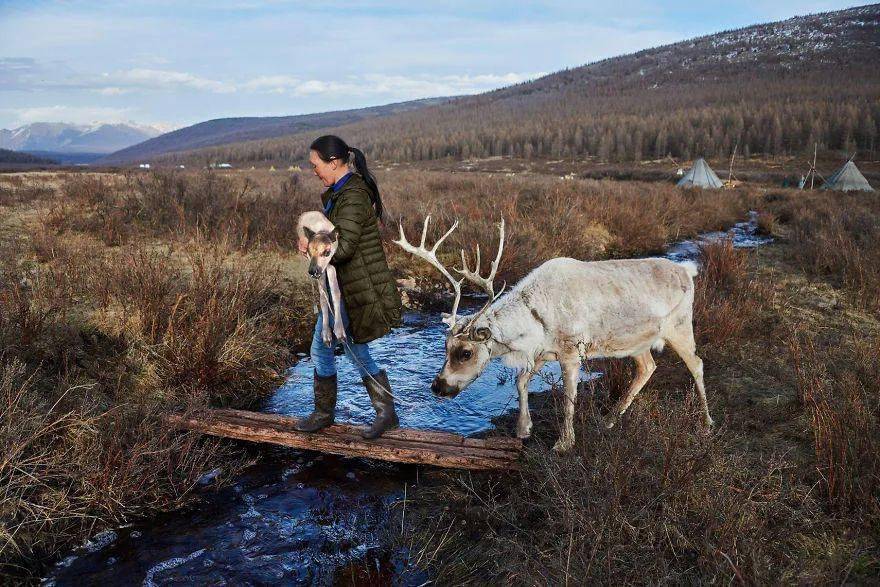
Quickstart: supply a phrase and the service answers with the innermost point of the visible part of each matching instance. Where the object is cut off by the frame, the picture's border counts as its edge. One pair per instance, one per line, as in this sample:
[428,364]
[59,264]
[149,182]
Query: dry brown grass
[100,339]
[127,296]
[838,386]
[71,466]
[656,501]
[728,298]
[19,189]
[548,218]
[174,205]
[836,237]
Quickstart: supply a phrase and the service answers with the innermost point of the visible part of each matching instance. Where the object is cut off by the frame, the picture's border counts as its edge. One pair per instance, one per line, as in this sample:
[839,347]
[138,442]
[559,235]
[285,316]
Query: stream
[300,517]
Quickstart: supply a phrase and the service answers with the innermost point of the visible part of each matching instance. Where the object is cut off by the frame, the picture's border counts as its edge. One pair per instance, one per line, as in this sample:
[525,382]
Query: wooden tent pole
[813,168]
[732,157]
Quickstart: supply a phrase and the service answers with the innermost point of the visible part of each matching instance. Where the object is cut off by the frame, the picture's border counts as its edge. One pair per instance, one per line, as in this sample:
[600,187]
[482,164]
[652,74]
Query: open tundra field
[124,297]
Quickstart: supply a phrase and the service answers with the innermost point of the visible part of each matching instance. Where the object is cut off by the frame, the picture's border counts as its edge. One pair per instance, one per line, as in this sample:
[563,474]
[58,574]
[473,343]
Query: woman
[370,302]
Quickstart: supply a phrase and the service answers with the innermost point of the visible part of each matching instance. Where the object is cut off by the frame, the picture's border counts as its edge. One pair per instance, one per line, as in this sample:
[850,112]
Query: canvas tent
[847,179]
[700,176]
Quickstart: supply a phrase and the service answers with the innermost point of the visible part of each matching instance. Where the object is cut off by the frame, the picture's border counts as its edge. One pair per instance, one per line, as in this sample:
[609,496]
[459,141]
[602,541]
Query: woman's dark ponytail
[360,164]
[330,147]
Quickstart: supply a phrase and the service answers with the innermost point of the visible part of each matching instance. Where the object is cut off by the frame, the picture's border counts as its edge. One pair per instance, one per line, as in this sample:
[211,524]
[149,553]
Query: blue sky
[174,63]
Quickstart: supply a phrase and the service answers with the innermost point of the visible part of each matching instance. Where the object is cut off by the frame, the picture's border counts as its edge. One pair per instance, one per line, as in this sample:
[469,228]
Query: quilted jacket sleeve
[349,215]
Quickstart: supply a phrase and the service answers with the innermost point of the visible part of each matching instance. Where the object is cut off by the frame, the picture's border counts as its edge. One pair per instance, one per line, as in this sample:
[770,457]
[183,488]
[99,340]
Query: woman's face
[327,172]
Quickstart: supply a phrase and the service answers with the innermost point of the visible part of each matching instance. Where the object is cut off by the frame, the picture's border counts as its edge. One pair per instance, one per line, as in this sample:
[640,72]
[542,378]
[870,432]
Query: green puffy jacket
[368,289]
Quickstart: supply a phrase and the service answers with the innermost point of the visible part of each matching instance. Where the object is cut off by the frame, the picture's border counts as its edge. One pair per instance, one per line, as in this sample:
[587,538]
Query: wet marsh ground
[125,296]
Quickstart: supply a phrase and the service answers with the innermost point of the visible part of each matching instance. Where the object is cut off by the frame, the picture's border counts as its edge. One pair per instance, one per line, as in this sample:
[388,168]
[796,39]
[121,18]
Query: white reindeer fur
[317,222]
[569,310]
[616,308]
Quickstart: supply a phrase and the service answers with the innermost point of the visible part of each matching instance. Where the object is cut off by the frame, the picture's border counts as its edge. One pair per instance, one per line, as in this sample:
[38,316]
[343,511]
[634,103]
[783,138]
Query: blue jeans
[358,353]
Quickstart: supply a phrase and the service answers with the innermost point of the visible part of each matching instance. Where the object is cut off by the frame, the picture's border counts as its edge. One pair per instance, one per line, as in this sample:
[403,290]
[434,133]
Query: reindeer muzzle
[315,272]
[441,388]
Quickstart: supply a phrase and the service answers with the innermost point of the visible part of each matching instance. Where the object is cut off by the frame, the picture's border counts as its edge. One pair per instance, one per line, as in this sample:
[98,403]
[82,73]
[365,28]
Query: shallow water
[305,518]
[412,355]
[744,235]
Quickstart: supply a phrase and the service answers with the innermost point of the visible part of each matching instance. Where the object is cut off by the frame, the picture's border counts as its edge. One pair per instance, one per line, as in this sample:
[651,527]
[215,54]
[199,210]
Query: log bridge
[402,445]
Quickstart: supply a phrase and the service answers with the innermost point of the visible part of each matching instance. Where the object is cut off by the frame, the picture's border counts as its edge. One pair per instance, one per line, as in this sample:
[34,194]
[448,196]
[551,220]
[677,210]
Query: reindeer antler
[431,257]
[484,283]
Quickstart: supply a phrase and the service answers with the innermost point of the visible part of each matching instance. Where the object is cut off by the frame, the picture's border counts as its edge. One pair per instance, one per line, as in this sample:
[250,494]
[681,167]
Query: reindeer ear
[482,334]
[310,234]
[334,234]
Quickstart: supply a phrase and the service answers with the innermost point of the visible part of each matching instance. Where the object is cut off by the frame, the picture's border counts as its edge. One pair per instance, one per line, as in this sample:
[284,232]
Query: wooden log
[401,445]
[344,433]
[430,436]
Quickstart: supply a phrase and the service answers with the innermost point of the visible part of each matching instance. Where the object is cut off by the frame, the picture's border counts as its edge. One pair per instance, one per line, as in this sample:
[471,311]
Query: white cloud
[397,86]
[272,83]
[165,79]
[442,85]
[112,91]
[29,74]
[73,114]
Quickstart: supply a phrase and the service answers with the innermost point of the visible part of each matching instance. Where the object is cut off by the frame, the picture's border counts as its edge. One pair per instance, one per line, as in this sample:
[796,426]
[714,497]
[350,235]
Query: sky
[169,63]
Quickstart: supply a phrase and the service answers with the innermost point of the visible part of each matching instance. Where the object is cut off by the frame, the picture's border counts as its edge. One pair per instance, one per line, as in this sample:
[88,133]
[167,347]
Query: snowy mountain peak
[62,137]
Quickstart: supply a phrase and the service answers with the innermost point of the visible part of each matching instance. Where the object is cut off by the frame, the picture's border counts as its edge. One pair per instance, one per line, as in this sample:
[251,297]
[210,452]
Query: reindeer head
[467,354]
[467,341]
[321,247]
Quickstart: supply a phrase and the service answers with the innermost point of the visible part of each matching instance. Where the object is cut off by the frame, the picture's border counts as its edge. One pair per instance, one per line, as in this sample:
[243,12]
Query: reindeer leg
[570,373]
[645,367]
[336,293]
[686,348]
[326,333]
[524,424]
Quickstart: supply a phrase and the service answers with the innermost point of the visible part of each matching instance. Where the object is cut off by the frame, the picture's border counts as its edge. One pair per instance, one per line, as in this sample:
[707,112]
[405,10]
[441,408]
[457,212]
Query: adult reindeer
[567,310]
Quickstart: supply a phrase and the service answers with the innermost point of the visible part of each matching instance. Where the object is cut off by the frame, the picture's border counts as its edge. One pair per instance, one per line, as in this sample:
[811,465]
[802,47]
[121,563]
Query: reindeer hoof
[563,445]
[709,423]
[610,422]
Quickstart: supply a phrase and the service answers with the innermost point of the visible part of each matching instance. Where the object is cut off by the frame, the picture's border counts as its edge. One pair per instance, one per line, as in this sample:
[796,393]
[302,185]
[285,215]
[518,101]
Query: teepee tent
[847,179]
[700,176]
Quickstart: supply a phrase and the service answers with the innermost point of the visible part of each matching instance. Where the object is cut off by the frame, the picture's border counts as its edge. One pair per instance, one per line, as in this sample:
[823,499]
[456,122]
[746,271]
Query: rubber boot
[325,405]
[379,390]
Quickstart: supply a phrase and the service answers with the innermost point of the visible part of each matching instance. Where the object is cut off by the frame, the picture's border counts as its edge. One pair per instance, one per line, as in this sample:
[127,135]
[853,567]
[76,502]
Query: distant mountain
[222,131]
[62,137]
[774,88]
[7,156]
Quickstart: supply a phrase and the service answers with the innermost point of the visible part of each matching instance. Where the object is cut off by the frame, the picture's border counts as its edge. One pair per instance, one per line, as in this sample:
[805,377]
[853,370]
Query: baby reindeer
[568,310]
[321,236]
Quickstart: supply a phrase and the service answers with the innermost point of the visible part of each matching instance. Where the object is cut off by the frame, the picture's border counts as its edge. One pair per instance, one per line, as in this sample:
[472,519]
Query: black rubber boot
[380,396]
[325,405]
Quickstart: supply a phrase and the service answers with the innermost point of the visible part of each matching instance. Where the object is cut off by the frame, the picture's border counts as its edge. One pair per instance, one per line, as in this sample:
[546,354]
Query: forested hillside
[8,156]
[235,130]
[774,88]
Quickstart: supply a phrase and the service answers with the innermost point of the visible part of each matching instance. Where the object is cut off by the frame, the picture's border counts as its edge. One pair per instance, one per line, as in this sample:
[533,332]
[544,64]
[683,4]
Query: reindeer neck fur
[514,336]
